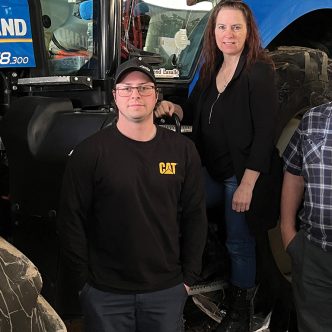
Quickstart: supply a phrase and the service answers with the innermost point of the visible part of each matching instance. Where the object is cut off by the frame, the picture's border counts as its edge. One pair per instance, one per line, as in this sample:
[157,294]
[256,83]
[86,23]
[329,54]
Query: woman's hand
[242,198]
[168,108]
[243,194]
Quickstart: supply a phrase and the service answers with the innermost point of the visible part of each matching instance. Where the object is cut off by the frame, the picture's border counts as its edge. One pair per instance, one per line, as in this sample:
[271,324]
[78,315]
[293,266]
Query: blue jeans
[160,311]
[239,242]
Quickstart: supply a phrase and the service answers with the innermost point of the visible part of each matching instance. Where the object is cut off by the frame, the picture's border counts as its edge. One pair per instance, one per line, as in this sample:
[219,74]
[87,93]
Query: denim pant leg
[214,191]
[239,242]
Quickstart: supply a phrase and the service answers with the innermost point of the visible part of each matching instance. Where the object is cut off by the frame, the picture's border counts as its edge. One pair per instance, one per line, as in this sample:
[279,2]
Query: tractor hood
[274,16]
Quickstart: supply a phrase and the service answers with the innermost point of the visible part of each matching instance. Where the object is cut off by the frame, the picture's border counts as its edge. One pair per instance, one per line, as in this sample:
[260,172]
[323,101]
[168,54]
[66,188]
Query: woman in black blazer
[233,110]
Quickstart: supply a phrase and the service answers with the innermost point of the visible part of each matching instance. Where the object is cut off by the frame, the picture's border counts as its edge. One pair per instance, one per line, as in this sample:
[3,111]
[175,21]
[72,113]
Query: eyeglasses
[143,90]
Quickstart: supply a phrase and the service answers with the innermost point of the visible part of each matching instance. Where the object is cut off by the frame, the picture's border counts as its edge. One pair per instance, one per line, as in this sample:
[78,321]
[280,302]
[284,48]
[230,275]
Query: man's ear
[114,94]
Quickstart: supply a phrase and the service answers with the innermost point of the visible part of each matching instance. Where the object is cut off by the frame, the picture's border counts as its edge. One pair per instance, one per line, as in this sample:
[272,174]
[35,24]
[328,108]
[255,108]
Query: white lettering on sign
[166,73]
[7,58]
[13,27]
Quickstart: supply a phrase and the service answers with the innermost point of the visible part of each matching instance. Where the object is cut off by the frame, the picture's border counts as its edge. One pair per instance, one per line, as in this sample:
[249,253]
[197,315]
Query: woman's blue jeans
[239,242]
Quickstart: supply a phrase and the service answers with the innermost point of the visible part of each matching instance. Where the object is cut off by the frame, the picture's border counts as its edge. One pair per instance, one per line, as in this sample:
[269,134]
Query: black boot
[239,316]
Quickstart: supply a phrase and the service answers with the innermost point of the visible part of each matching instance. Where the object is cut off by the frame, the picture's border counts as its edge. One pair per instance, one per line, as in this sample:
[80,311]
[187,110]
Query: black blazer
[251,105]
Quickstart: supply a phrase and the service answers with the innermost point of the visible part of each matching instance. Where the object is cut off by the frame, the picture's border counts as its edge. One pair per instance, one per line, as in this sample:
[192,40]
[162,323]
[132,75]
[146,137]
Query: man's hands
[288,233]
[187,288]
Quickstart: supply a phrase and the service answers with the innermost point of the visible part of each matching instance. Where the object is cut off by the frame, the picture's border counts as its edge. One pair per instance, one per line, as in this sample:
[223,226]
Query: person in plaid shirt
[308,185]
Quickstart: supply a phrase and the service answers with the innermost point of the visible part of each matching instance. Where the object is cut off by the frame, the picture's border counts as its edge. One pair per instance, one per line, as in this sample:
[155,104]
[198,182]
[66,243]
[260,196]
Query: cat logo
[167,168]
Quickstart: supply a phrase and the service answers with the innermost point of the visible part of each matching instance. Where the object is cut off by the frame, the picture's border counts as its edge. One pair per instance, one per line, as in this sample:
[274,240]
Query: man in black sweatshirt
[132,221]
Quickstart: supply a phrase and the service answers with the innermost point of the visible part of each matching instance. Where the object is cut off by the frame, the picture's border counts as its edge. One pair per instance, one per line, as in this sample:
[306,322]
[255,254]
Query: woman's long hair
[211,52]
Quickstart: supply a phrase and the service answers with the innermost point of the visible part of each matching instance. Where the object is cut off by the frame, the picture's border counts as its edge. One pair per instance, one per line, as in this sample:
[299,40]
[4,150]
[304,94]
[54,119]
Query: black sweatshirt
[132,214]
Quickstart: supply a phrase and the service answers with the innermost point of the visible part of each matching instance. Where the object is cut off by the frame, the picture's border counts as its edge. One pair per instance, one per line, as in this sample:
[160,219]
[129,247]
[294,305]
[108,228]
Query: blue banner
[16,47]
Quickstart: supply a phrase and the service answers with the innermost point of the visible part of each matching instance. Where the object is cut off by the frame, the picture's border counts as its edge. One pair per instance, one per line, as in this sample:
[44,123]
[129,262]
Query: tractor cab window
[166,33]
[68,30]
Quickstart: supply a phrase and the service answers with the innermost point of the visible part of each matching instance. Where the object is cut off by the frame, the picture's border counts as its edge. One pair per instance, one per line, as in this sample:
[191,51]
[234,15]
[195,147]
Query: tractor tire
[302,78]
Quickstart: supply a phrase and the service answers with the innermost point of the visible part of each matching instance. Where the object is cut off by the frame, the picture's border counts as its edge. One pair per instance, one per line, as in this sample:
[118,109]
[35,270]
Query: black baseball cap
[134,64]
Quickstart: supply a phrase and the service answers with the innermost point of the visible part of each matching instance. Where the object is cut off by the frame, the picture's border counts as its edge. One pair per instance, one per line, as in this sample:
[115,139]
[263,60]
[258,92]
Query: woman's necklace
[223,78]
[225,75]
[225,83]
